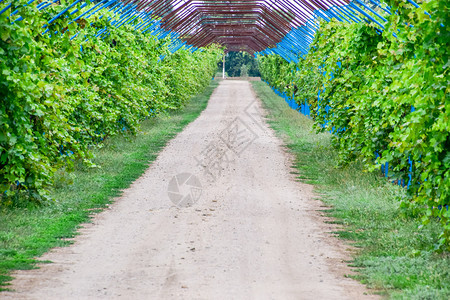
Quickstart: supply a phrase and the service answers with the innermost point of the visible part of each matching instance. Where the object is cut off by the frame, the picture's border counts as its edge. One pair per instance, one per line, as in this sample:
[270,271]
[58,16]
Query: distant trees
[240,64]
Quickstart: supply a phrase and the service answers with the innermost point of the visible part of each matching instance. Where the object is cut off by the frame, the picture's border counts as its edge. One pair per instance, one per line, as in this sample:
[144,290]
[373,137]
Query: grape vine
[385,97]
[62,94]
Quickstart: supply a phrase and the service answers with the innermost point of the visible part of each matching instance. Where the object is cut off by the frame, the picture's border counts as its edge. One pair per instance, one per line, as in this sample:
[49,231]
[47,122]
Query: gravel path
[243,228]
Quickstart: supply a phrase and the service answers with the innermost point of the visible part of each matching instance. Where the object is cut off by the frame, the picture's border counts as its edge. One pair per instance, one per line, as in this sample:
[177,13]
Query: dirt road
[217,216]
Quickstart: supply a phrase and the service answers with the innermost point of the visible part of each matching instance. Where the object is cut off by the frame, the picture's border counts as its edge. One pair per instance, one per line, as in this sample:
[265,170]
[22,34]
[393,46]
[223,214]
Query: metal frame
[248,25]
[283,27]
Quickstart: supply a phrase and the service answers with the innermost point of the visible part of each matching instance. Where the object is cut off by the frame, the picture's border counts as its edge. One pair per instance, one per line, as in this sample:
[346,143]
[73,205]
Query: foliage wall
[59,97]
[385,98]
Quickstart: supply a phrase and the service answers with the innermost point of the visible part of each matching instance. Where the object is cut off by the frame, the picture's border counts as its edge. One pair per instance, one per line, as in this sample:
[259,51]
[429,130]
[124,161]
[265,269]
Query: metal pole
[223,65]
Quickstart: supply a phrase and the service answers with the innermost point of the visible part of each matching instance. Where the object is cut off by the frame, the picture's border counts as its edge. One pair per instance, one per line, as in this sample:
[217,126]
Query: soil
[218,215]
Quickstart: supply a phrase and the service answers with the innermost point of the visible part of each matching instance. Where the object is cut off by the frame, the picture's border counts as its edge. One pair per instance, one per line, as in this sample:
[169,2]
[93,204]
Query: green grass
[25,234]
[394,257]
[219,74]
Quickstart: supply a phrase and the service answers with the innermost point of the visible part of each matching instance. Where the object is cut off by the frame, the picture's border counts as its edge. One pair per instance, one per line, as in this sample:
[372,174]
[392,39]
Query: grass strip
[27,233]
[394,256]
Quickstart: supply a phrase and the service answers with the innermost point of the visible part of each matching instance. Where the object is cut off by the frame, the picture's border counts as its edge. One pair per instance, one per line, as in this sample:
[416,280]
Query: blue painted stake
[5,9]
[63,11]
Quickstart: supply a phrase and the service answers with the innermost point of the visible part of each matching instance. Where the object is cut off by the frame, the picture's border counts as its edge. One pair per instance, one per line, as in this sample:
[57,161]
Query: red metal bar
[249,25]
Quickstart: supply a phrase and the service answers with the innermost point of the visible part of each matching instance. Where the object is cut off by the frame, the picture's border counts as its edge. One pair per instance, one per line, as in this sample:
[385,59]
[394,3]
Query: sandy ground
[243,228]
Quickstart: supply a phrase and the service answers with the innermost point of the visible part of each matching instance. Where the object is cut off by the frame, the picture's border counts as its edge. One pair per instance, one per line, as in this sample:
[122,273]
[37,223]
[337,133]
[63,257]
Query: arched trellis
[283,27]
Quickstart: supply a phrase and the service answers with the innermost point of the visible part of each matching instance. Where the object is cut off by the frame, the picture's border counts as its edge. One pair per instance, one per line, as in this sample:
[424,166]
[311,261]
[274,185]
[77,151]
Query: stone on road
[218,215]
